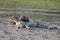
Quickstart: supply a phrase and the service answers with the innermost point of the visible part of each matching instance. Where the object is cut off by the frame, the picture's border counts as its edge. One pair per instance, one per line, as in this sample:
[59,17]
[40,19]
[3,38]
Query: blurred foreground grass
[53,4]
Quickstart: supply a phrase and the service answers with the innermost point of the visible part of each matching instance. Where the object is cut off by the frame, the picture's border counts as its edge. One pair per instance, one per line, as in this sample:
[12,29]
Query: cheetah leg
[27,27]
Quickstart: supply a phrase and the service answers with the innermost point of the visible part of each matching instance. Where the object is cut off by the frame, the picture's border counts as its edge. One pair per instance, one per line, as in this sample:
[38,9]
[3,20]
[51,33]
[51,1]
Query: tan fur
[15,20]
[18,21]
[27,27]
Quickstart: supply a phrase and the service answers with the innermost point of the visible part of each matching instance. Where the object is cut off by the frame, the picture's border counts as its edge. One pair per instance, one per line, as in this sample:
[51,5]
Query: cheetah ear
[20,17]
[12,17]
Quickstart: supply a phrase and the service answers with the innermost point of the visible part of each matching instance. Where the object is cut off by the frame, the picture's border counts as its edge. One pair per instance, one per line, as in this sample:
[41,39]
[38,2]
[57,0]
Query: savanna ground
[49,28]
[46,12]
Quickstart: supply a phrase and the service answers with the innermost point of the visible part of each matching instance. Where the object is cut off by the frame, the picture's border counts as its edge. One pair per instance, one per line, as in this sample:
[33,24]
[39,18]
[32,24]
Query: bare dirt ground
[46,31]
